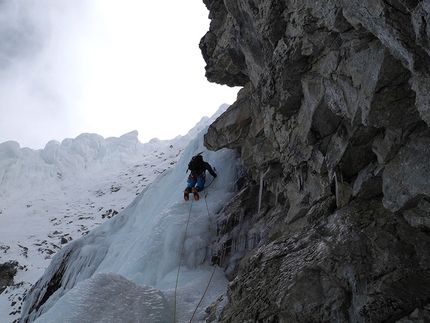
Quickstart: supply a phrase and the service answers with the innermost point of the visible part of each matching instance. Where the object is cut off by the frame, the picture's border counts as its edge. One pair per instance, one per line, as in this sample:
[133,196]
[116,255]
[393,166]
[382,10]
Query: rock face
[7,273]
[332,123]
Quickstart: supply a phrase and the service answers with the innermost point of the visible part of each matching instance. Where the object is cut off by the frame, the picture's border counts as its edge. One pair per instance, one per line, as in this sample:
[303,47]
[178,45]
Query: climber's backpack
[196,164]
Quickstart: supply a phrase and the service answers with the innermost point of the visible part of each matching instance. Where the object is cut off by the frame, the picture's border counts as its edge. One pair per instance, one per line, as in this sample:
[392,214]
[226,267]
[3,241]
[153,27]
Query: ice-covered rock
[110,298]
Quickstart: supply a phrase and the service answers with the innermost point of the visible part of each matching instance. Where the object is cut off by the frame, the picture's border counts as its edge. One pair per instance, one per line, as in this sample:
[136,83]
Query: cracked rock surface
[332,221]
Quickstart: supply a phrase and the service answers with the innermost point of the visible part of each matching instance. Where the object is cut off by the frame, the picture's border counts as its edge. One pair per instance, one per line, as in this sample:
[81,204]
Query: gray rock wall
[333,118]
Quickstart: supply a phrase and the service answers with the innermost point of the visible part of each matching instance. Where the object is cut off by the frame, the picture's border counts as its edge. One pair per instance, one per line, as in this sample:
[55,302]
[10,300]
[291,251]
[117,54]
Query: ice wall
[143,244]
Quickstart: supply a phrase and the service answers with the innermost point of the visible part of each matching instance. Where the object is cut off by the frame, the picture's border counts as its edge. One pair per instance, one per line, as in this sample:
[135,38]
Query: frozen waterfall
[125,269]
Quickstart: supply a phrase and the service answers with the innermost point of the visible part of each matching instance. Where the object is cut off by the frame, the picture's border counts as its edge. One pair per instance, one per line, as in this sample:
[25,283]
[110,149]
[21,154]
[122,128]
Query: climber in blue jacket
[197,167]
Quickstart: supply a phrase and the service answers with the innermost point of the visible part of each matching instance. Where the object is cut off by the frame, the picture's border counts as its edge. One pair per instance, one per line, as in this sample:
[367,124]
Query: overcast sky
[103,66]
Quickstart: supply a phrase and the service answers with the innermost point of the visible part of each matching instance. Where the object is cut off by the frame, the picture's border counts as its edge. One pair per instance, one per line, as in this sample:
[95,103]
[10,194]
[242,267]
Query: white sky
[103,66]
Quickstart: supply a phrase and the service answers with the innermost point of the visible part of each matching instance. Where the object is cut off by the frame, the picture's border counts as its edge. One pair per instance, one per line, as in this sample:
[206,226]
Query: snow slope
[53,196]
[125,269]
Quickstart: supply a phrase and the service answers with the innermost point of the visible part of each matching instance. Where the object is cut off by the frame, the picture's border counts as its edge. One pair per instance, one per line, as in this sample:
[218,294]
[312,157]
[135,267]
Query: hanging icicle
[260,193]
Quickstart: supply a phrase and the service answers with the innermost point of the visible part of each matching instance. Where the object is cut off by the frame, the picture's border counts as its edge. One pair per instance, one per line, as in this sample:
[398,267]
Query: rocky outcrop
[332,123]
[7,273]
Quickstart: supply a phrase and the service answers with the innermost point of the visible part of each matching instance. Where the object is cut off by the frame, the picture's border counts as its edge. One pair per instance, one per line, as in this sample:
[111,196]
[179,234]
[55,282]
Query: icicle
[260,193]
[298,178]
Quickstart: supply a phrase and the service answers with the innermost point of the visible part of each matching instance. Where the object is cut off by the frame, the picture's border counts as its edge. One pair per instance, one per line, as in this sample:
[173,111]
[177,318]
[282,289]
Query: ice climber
[198,168]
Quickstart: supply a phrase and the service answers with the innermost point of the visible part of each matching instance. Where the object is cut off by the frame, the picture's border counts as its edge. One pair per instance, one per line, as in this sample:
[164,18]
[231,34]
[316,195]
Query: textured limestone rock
[359,264]
[333,125]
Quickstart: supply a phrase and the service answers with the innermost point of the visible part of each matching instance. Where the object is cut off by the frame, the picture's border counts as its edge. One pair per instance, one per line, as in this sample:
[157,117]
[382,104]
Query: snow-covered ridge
[23,169]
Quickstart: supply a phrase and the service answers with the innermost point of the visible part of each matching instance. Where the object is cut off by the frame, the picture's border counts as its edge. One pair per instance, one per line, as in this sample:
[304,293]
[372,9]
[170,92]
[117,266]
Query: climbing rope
[209,184]
[182,252]
[213,271]
[213,178]
[180,261]
[203,296]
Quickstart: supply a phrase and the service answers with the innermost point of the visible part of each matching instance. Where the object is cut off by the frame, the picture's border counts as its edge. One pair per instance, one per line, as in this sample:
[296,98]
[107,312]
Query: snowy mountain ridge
[67,190]
[76,158]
